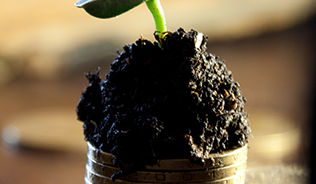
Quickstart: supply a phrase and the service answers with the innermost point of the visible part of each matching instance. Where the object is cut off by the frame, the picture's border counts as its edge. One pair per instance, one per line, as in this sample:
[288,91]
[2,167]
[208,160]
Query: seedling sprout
[112,8]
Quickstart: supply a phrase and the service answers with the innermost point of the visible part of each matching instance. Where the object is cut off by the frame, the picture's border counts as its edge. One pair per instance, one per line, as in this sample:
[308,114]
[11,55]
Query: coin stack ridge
[220,168]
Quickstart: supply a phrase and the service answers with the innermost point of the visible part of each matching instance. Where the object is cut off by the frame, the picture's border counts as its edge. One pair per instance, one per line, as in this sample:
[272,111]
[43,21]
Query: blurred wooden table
[42,165]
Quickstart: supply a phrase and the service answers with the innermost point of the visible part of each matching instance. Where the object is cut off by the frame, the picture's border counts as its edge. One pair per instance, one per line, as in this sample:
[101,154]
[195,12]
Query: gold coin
[99,156]
[214,160]
[169,176]
[93,178]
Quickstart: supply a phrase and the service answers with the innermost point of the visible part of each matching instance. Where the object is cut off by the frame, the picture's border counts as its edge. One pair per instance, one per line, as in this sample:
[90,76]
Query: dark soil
[173,101]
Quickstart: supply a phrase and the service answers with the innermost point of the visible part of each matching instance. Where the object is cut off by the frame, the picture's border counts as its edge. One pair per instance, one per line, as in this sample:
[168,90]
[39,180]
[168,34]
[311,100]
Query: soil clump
[161,102]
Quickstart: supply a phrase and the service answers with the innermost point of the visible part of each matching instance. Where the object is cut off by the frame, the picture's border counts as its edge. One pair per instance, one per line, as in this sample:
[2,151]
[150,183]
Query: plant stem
[159,17]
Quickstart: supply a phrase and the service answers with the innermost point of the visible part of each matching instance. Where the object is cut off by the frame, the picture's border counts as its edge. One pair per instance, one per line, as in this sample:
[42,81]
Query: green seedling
[112,8]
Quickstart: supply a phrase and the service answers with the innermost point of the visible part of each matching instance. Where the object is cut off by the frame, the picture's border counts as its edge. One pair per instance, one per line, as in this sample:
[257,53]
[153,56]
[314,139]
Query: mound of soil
[173,101]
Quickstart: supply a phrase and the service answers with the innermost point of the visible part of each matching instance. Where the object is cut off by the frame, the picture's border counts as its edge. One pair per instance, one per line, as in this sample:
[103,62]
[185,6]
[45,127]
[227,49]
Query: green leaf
[107,8]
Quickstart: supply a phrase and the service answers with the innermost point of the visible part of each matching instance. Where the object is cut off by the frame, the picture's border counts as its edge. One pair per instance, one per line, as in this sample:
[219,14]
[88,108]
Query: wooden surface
[52,129]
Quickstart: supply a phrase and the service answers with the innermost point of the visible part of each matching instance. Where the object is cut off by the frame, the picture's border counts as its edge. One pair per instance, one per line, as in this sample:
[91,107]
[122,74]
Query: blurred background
[47,46]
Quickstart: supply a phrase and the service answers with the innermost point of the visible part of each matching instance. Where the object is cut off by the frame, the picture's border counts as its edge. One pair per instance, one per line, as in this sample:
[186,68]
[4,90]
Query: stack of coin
[220,168]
